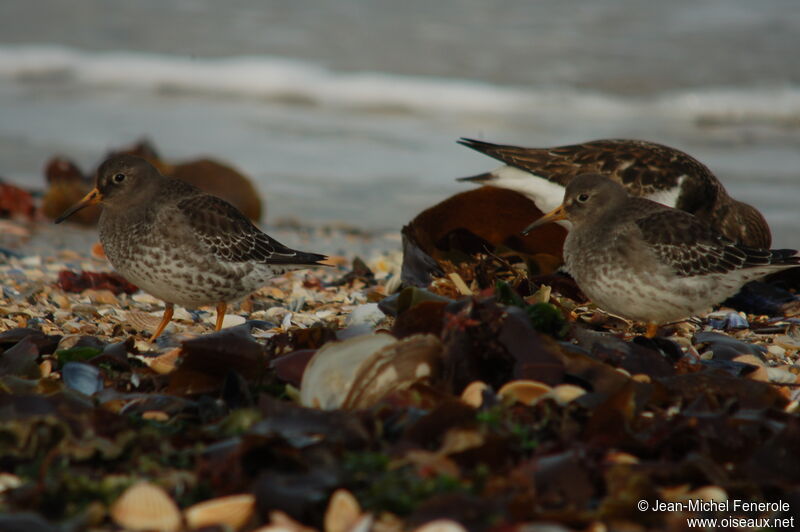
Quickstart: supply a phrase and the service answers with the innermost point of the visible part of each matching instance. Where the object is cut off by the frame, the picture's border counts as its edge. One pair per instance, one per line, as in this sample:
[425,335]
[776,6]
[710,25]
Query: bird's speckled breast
[159,254]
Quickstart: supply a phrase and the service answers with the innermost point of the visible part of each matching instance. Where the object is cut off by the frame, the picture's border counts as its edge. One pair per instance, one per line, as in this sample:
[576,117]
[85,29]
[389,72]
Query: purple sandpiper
[179,244]
[645,169]
[644,261]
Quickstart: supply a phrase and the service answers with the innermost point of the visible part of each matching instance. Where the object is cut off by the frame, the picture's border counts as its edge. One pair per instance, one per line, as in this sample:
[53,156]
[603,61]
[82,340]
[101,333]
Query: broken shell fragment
[441,525]
[145,506]
[524,391]
[233,511]
[166,363]
[473,393]
[343,512]
[565,393]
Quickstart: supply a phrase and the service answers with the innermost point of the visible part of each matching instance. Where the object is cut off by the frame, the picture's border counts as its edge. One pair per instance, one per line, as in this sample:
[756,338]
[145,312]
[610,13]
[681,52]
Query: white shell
[359,371]
[330,372]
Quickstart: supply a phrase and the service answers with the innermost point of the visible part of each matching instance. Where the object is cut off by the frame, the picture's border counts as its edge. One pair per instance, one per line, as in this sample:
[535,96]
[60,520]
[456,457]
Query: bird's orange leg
[221,307]
[164,321]
[652,330]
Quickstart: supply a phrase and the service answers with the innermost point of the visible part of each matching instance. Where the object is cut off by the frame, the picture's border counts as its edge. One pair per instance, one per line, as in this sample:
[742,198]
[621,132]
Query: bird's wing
[224,230]
[690,247]
[644,168]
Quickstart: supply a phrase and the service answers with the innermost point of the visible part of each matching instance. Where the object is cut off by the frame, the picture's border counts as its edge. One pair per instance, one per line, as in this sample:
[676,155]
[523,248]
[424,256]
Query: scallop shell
[395,367]
[145,506]
[524,391]
[330,373]
[473,393]
[343,512]
[144,321]
[233,511]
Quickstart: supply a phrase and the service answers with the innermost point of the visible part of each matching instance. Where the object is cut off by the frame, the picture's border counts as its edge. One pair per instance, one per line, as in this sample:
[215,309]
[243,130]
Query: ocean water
[348,111]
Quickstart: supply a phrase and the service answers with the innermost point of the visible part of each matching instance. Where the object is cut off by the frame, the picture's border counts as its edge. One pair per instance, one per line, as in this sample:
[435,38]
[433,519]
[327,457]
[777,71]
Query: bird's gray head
[122,181]
[585,197]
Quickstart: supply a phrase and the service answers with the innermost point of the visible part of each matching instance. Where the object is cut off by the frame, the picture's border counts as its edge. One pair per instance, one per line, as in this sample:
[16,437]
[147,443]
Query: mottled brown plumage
[180,244]
[645,169]
[642,260]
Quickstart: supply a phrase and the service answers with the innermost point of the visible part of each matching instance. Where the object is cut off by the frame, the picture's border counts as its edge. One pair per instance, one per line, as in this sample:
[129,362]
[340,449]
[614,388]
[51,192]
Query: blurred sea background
[348,110]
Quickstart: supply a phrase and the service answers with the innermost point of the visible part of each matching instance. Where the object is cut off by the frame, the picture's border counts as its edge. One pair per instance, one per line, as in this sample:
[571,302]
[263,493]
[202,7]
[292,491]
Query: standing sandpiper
[179,244]
[641,260]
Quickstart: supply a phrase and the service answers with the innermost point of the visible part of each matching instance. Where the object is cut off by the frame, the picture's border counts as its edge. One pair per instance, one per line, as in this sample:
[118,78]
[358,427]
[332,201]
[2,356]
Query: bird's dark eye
[583,198]
[119,178]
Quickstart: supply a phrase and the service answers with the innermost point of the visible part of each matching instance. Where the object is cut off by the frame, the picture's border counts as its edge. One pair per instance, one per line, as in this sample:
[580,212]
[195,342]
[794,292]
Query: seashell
[144,297]
[343,512]
[459,440]
[229,320]
[473,393]
[181,314]
[441,525]
[681,493]
[566,393]
[101,297]
[155,415]
[618,457]
[459,283]
[233,511]
[749,359]
[9,482]
[395,367]
[142,321]
[524,391]
[726,320]
[165,363]
[330,373]
[82,377]
[46,368]
[368,314]
[145,506]
[780,376]
[359,371]
[281,522]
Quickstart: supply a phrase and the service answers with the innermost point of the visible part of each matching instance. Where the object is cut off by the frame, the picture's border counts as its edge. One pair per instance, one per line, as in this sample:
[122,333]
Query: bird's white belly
[656,298]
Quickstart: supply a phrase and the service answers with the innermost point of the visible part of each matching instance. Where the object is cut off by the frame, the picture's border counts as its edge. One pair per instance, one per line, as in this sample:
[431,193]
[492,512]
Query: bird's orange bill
[559,213]
[92,198]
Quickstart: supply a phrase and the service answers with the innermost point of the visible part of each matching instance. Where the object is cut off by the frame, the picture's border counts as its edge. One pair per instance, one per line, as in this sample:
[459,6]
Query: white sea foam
[275,78]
